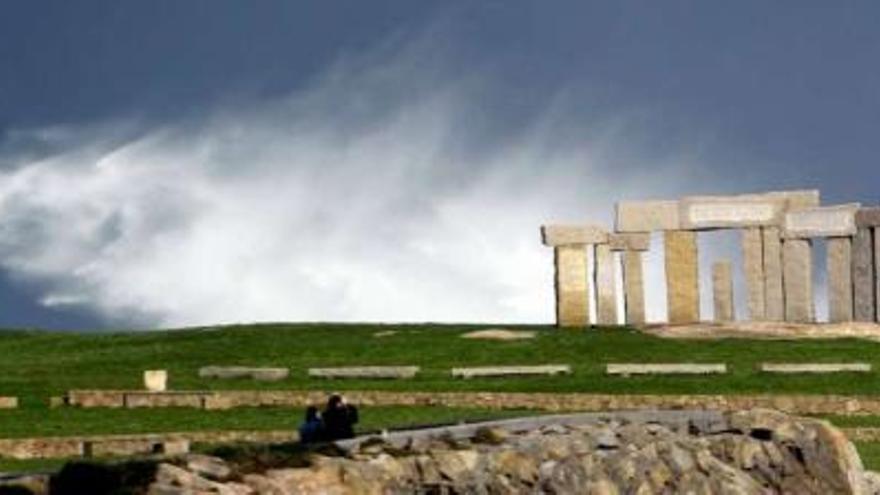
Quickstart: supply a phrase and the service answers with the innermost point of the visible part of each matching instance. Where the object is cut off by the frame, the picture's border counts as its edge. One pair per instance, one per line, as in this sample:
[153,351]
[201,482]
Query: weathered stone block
[823,221]
[569,235]
[572,290]
[606,286]
[820,368]
[155,380]
[868,217]
[96,398]
[840,286]
[646,216]
[753,264]
[713,212]
[797,261]
[633,241]
[255,373]
[8,402]
[627,369]
[722,290]
[41,448]
[499,371]
[388,372]
[634,287]
[682,277]
[863,273]
[774,299]
[165,399]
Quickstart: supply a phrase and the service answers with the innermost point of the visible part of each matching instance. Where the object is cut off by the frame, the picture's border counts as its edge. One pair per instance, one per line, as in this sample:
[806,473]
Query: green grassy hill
[35,365]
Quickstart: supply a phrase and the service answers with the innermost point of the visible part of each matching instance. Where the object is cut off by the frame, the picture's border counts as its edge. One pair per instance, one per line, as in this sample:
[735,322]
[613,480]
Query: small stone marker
[500,371]
[797,265]
[682,278]
[840,285]
[753,262]
[254,373]
[384,372]
[863,273]
[8,402]
[722,290]
[155,380]
[626,369]
[793,368]
[606,286]
[774,297]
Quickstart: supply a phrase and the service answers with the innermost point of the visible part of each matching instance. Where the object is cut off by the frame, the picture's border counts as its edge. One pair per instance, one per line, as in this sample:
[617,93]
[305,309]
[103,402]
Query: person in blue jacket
[311,430]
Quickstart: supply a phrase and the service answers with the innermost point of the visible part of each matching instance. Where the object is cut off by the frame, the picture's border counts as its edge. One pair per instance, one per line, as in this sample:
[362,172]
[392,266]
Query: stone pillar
[840,287]
[753,264]
[863,275]
[572,290]
[633,287]
[797,279]
[877,274]
[774,298]
[682,276]
[606,286]
[722,291]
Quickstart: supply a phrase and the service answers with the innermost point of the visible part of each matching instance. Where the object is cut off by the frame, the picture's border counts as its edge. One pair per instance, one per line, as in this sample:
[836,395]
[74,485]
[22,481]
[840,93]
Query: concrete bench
[386,372]
[501,371]
[8,402]
[627,369]
[796,368]
[254,373]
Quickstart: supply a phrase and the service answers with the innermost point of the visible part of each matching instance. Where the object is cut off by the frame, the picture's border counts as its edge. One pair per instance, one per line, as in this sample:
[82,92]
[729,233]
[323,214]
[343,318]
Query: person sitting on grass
[312,428]
[339,419]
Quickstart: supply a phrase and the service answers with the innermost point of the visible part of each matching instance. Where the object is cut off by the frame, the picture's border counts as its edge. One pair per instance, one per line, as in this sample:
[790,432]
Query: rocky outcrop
[752,452]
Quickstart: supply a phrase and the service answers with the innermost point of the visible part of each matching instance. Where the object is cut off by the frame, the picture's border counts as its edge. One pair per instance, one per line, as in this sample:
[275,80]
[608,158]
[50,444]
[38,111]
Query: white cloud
[367,196]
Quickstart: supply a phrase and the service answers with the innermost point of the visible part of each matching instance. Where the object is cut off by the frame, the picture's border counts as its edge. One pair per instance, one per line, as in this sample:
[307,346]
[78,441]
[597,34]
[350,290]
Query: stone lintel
[726,212]
[630,241]
[646,216]
[822,221]
[868,217]
[572,235]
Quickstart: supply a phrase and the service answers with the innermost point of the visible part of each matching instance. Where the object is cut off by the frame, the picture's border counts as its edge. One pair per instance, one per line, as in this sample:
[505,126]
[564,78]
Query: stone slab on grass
[500,334]
[795,368]
[502,371]
[627,369]
[254,373]
[8,402]
[385,372]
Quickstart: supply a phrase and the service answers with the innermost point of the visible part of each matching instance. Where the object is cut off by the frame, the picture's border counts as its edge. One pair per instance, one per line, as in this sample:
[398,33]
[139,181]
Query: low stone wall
[128,445]
[8,402]
[796,404]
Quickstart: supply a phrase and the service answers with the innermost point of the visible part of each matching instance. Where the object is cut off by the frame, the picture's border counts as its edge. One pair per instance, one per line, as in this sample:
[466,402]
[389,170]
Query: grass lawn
[35,365]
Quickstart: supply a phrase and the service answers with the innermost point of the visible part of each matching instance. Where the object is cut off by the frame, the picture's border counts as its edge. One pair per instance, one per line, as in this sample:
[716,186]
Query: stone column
[606,286]
[572,290]
[753,264]
[863,273]
[682,276]
[634,288]
[877,265]
[840,287]
[722,290]
[797,279]
[774,299]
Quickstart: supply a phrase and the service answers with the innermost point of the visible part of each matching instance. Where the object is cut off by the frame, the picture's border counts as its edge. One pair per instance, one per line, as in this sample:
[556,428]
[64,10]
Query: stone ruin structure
[777,230]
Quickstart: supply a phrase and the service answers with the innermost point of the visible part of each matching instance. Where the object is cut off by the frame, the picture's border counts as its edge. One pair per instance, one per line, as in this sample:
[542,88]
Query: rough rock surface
[751,452]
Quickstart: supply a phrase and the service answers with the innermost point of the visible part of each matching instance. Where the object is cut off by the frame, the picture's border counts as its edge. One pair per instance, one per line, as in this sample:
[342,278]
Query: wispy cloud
[386,190]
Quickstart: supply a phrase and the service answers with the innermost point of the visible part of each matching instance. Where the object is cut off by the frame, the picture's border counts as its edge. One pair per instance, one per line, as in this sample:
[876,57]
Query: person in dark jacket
[312,428]
[339,419]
